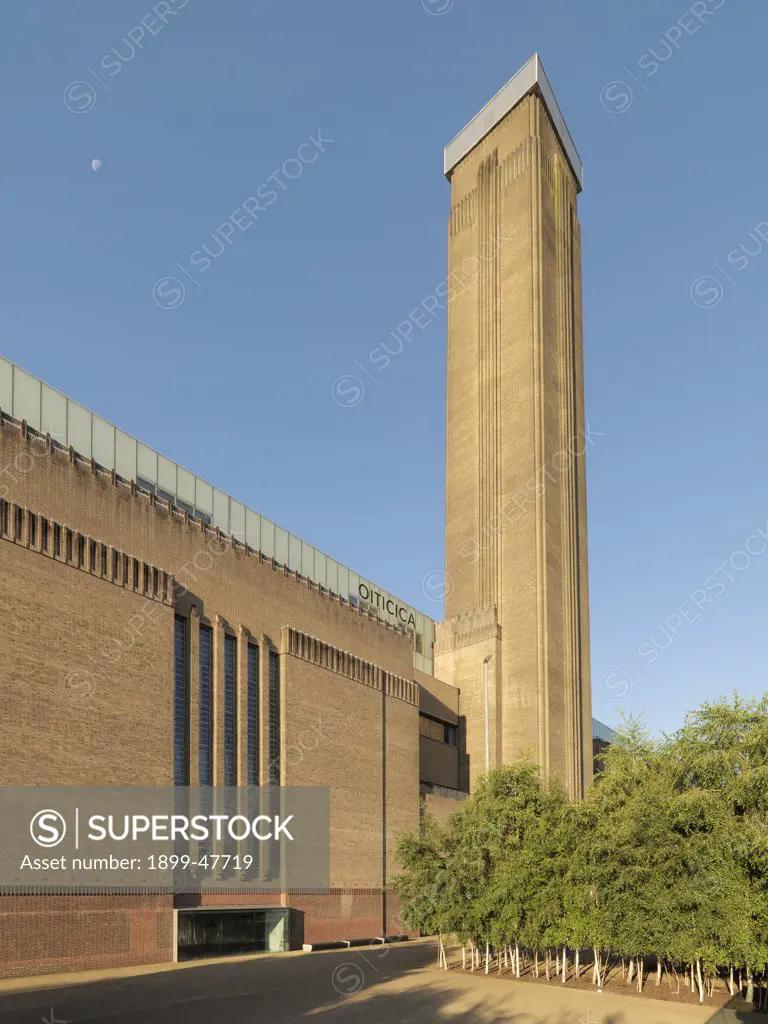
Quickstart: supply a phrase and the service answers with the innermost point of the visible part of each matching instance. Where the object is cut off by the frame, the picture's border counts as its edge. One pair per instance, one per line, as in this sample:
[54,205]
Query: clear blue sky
[236,381]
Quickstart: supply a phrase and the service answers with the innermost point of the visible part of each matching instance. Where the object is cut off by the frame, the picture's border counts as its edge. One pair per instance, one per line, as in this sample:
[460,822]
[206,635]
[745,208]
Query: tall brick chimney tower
[516,524]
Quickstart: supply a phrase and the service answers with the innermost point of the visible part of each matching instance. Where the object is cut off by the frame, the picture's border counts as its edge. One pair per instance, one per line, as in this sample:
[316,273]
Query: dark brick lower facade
[53,934]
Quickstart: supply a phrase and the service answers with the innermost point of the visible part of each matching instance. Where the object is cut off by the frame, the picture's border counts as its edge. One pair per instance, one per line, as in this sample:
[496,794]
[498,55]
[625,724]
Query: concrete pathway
[389,985]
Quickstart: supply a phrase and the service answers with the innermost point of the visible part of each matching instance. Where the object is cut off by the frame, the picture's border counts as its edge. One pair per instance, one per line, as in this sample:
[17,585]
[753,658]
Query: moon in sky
[95,164]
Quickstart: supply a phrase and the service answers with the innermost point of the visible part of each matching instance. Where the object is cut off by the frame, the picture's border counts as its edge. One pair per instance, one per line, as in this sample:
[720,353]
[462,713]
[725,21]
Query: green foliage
[666,856]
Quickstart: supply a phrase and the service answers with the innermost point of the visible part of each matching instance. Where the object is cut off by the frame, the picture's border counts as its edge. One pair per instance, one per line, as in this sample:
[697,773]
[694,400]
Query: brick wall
[87,697]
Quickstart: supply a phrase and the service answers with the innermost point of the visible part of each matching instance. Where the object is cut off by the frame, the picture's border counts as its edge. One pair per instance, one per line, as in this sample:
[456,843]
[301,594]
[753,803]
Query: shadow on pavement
[276,989]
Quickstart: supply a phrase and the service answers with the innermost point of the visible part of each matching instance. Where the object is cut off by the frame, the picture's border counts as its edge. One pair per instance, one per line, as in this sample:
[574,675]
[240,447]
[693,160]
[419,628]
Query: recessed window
[274,719]
[32,530]
[56,540]
[44,535]
[443,732]
[205,723]
[180,704]
[253,715]
[230,711]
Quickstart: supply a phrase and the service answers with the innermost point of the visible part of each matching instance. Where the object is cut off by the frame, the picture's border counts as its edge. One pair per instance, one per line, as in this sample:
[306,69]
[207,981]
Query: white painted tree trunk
[463,957]
[698,978]
[730,982]
[535,963]
[658,971]
[631,970]
[487,956]
[577,965]
[517,961]
[565,965]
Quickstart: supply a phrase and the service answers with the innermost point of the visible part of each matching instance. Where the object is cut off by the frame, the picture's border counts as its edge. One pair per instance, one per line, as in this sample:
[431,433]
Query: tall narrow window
[230,711]
[19,523]
[115,565]
[44,535]
[56,540]
[274,719]
[103,559]
[205,737]
[80,550]
[92,556]
[69,545]
[32,530]
[180,704]
[3,516]
[253,715]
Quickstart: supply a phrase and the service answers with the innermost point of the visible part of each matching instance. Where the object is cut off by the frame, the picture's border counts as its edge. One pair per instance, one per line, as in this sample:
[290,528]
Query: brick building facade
[98,576]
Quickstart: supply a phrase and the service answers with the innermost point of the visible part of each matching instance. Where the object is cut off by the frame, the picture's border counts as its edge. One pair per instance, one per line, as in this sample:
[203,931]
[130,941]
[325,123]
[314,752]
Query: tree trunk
[631,970]
[698,977]
[487,956]
[565,965]
[535,963]
[439,949]
[577,965]
[623,970]
[640,966]
[546,965]
[517,960]
[730,981]
[750,986]
[658,971]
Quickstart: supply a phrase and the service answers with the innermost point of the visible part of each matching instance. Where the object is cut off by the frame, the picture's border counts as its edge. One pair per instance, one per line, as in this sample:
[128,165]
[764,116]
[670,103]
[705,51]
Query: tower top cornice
[531,78]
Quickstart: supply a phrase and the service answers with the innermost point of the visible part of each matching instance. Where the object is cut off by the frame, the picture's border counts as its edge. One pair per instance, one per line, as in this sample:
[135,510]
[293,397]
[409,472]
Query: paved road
[391,985]
[276,989]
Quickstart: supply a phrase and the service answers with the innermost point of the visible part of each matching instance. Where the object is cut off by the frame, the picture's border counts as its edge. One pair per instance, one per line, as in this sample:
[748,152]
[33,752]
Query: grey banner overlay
[164,839]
